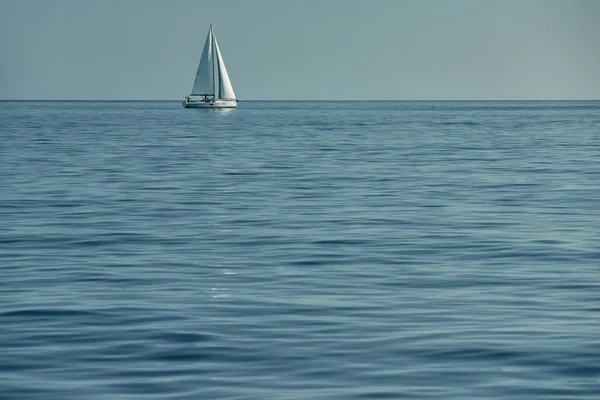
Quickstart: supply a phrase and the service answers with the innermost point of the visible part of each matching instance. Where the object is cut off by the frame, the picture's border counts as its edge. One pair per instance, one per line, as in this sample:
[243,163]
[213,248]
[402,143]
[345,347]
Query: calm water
[300,250]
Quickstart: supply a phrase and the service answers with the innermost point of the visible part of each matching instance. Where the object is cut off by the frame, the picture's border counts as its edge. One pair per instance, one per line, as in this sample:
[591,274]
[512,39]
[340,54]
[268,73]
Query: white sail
[225,88]
[203,84]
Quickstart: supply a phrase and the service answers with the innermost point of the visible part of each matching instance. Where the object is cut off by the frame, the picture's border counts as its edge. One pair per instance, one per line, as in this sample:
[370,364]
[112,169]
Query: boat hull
[210,104]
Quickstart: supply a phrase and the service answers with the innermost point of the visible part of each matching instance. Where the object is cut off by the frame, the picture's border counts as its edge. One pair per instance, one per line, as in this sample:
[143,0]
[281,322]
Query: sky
[303,49]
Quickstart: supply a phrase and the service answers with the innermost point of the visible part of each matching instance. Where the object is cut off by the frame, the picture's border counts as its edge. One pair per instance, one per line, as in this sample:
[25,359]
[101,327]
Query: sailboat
[212,87]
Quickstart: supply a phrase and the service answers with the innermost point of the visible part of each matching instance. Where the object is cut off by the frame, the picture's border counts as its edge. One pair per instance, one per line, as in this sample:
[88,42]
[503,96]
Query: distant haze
[306,49]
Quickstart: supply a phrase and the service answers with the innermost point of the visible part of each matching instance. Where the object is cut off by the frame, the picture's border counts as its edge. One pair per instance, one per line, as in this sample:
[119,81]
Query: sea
[300,250]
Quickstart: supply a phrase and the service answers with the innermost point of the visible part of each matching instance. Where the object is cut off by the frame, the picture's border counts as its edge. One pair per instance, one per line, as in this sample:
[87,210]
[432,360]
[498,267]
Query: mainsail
[203,84]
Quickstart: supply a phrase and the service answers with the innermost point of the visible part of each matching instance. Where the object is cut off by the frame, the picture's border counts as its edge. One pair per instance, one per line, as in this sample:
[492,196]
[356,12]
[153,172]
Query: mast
[212,38]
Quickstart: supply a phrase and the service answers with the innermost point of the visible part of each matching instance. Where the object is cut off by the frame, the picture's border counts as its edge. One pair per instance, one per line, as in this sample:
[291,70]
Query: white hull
[210,104]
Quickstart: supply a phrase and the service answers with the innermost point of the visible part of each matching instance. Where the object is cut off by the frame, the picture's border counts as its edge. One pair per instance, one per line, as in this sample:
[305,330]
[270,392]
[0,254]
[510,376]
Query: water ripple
[285,251]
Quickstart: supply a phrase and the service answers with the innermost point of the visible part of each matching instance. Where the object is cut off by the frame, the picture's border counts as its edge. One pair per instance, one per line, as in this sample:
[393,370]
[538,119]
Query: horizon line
[290,100]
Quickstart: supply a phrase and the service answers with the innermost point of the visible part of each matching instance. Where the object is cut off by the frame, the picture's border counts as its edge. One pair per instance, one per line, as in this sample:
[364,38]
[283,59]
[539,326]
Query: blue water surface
[300,250]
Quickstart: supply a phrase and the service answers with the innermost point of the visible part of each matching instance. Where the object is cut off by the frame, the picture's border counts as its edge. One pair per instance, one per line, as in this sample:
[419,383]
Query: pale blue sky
[303,49]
